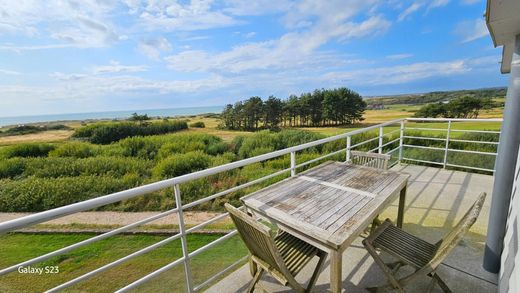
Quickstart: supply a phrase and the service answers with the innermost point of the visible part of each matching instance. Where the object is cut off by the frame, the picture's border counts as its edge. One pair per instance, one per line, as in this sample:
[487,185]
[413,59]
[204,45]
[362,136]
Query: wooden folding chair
[373,160]
[410,250]
[281,255]
[378,161]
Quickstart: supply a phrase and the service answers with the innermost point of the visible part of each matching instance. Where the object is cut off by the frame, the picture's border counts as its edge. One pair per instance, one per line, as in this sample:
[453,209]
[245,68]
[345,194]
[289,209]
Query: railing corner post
[381,132]
[445,162]
[293,163]
[349,143]
[401,143]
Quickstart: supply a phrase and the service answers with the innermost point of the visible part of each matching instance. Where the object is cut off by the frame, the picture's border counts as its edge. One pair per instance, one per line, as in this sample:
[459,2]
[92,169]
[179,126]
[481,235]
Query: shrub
[180,147]
[12,168]
[180,164]
[198,124]
[267,141]
[26,150]
[39,194]
[74,149]
[105,133]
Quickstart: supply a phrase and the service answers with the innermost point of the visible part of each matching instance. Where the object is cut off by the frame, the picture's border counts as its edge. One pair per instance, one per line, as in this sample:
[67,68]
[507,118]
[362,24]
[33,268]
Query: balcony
[445,180]
[436,199]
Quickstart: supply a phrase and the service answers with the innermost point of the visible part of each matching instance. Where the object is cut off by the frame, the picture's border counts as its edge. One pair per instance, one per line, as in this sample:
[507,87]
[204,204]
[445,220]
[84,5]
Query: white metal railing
[381,147]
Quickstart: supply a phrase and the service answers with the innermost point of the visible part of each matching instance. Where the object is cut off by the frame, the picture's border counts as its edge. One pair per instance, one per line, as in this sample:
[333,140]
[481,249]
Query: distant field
[20,247]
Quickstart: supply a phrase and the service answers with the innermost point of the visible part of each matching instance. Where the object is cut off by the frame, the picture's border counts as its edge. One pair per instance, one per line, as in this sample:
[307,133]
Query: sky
[68,56]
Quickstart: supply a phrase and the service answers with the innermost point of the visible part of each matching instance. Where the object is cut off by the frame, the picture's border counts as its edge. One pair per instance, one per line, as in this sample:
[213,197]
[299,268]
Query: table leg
[336,263]
[400,212]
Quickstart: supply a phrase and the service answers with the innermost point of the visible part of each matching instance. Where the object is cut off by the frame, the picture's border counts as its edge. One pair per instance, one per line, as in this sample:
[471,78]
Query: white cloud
[80,23]
[438,3]
[399,74]
[174,16]
[411,9]
[9,72]
[471,2]
[399,56]
[295,49]
[152,48]
[257,7]
[115,67]
[471,30]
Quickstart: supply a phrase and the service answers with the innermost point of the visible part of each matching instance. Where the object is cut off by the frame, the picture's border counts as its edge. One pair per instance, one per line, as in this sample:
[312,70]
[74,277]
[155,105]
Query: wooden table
[330,205]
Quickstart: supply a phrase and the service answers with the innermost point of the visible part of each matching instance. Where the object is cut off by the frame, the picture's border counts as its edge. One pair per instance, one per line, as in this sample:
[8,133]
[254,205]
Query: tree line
[463,107]
[322,107]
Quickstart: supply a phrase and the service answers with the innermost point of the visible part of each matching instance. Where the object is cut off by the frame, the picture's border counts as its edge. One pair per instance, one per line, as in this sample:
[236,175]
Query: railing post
[447,144]
[293,164]
[349,143]
[380,140]
[184,240]
[401,134]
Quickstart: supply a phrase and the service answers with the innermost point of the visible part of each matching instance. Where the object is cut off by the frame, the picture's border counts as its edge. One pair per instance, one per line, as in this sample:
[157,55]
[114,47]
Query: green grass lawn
[20,247]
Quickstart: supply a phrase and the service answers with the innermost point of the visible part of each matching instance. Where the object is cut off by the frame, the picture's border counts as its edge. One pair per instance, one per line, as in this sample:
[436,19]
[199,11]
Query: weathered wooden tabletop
[331,203]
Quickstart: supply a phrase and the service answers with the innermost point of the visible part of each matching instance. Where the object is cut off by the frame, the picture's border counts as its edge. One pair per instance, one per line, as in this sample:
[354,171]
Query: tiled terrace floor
[436,200]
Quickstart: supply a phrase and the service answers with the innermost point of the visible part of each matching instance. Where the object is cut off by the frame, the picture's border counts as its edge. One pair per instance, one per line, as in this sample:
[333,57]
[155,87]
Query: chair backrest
[450,241]
[378,161]
[258,239]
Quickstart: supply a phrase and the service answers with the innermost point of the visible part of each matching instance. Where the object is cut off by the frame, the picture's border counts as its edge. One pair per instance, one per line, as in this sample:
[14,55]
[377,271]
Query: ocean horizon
[168,112]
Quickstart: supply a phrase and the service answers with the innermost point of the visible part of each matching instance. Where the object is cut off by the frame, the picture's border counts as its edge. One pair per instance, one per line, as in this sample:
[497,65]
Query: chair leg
[253,267]
[322,255]
[255,280]
[376,222]
[443,285]
[393,282]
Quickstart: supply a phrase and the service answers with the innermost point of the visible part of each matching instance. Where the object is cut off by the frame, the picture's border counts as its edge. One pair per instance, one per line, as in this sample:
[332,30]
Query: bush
[181,164]
[39,194]
[105,133]
[12,168]
[26,150]
[198,124]
[75,150]
[267,141]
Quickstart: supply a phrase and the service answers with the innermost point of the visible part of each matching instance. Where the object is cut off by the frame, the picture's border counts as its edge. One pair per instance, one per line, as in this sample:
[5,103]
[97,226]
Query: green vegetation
[198,124]
[463,107]
[26,150]
[105,133]
[433,97]
[20,247]
[28,129]
[319,108]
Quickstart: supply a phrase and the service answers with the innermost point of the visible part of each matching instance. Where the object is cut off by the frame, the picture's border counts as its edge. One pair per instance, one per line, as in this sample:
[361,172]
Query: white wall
[509,277]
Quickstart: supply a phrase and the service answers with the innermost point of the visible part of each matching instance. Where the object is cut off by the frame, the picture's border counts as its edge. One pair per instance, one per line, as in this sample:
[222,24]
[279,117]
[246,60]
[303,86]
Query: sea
[171,112]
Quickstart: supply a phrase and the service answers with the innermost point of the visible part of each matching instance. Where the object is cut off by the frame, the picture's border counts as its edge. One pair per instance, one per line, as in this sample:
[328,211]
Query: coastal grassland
[17,247]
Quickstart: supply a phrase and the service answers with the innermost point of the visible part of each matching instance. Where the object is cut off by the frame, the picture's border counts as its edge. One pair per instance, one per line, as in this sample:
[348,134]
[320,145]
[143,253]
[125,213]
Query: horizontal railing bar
[423,147]
[424,137]
[212,220]
[423,161]
[476,131]
[141,190]
[470,167]
[217,275]
[87,241]
[137,253]
[151,275]
[472,152]
[233,189]
[474,141]
[372,150]
[175,263]
[457,119]
[391,132]
[365,142]
[390,142]
[114,263]
[320,158]
[393,150]
[428,129]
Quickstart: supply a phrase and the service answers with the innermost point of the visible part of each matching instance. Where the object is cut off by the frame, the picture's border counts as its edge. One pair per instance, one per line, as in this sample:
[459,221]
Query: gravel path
[118,218]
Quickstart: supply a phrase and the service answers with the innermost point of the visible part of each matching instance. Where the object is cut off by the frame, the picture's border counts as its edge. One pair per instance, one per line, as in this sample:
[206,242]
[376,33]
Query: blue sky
[86,55]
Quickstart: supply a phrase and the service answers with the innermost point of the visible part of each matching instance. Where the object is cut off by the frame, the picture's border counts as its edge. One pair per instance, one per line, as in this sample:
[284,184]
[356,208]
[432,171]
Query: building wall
[509,277]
